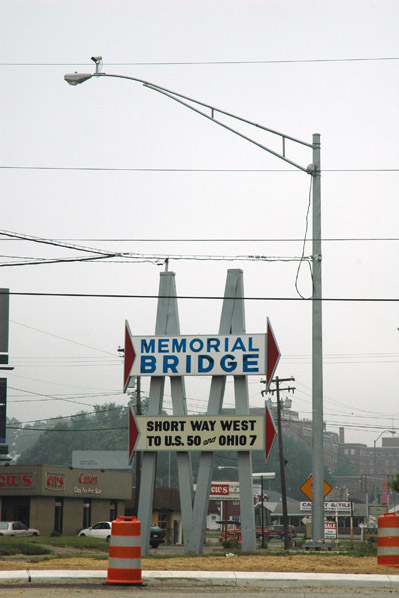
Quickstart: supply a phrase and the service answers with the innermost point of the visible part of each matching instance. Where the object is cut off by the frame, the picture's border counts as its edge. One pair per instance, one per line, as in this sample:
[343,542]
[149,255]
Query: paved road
[102,591]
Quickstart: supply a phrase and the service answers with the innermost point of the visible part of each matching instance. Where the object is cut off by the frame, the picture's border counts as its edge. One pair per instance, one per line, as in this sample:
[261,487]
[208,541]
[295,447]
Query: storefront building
[166,513]
[62,500]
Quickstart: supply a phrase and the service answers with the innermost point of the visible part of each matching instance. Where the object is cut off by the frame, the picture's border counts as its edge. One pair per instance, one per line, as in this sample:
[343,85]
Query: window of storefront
[113,510]
[175,532]
[16,508]
[87,513]
[58,515]
[163,520]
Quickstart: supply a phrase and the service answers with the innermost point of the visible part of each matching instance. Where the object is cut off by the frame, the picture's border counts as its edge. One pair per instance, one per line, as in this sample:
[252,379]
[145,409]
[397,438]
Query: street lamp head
[77,78]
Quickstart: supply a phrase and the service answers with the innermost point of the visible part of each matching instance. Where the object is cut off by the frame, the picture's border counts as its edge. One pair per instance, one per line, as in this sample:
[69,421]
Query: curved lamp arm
[77,78]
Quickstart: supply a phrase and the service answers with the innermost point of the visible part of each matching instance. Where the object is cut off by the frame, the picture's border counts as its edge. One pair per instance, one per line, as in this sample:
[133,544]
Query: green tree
[345,467]
[21,437]
[105,429]
[394,483]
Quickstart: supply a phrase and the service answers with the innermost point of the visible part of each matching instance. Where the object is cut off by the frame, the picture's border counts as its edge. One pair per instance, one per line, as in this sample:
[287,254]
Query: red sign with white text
[225,491]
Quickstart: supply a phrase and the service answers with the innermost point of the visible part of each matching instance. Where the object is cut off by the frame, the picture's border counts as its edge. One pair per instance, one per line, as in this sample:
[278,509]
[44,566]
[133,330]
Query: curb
[212,578]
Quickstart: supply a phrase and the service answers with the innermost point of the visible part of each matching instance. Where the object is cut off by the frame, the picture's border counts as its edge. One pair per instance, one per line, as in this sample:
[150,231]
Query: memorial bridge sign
[200,355]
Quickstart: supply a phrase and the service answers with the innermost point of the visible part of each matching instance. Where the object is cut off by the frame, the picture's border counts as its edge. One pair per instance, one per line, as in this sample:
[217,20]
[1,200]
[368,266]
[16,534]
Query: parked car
[102,529]
[276,531]
[157,536]
[270,531]
[17,528]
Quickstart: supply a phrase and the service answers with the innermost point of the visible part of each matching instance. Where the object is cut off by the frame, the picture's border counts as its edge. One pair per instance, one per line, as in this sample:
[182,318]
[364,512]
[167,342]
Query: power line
[159,260]
[188,170]
[68,340]
[203,297]
[220,240]
[81,414]
[67,429]
[49,397]
[214,62]
[122,257]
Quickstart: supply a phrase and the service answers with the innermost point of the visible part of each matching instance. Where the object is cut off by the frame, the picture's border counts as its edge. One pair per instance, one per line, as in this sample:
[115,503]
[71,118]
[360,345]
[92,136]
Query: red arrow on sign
[133,434]
[130,356]
[273,354]
[270,432]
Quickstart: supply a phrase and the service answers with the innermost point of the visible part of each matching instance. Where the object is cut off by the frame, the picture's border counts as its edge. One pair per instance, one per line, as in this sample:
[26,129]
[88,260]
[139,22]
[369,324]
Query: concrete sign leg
[232,321]
[167,323]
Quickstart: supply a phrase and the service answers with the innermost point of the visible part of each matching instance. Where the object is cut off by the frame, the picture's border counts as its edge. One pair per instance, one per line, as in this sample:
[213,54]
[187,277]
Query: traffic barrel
[388,540]
[124,563]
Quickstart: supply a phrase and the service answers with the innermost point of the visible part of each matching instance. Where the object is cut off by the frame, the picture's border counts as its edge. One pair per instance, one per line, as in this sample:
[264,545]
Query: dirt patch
[314,562]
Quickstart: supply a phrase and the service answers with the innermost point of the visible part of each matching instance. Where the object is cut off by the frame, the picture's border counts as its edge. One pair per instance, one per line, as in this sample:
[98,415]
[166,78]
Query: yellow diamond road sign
[307,488]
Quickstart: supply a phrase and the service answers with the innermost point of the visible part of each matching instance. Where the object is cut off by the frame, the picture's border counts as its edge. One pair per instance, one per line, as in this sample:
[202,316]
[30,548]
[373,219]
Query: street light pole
[314,170]
[317,358]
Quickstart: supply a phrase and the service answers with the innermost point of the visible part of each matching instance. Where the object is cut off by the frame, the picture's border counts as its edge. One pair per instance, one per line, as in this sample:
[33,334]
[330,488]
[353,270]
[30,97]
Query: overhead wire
[304,246]
[221,240]
[216,62]
[68,340]
[188,170]
[201,297]
[157,259]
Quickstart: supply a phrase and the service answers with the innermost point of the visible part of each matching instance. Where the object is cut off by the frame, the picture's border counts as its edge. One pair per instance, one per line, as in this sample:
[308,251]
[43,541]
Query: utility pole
[138,454]
[277,381]
[121,352]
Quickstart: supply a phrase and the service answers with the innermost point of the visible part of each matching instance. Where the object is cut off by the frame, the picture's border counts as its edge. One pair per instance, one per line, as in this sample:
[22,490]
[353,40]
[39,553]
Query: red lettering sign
[16,480]
[88,479]
[54,481]
[220,489]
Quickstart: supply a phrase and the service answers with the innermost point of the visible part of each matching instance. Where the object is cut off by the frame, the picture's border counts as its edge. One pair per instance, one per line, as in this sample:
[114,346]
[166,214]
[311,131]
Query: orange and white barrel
[388,540]
[124,563]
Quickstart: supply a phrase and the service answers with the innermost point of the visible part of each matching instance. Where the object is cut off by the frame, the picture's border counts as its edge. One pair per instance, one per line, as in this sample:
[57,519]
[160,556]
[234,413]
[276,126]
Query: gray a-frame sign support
[167,323]
[194,509]
[232,321]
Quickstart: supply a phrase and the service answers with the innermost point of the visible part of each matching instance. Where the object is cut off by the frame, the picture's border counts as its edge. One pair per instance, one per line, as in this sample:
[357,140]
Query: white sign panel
[238,355]
[330,530]
[201,433]
[342,506]
[225,491]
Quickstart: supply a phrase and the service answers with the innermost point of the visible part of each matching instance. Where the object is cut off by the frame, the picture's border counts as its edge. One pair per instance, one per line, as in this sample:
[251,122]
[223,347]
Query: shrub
[10,546]
[230,544]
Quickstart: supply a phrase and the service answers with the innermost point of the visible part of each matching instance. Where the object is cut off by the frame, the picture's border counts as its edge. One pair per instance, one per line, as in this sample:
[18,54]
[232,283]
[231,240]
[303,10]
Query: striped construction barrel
[388,540]
[124,563]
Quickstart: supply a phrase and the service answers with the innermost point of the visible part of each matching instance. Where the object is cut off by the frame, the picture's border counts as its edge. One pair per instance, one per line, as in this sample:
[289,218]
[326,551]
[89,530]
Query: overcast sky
[114,166]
